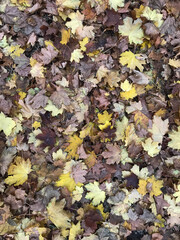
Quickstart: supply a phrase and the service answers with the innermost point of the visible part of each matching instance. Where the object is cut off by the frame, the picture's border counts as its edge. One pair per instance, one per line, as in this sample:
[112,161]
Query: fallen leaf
[18,171]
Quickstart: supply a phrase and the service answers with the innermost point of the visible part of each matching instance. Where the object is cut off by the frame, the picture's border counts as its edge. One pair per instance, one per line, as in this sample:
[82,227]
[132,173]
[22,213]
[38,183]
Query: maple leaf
[74,143]
[105,119]
[174,136]
[59,155]
[156,186]
[83,43]
[120,128]
[48,137]
[132,30]
[57,214]
[177,194]
[6,124]
[37,69]
[53,109]
[36,125]
[74,230]
[76,55]
[131,60]
[174,63]
[77,194]
[152,148]
[73,4]
[153,15]
[65,36]
[142,187]
[65,180]
[129,90]
[95,193]
[76,21]
[19,171]
[116,3]
[159,129]
[143,173]
[48,54]
[113,155]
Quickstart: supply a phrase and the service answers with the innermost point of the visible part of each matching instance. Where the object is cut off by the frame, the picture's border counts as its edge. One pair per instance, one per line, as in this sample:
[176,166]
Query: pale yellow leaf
[95,193]
[132,30]
[175,139]
[6,124]
[58,215]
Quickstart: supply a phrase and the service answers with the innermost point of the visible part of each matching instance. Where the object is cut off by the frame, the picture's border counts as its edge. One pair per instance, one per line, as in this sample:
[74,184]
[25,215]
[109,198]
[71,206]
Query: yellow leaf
[156,186]
[129,94]
[152,148]
[65,36]
[37,70]
[177,194]
[95,193]
[76,55]
[83,43]
[126,86]
[6,124]
[74,4]
[142,187]
[74,143]
[132,30]
[57,214]
[59,155]
[105,119]
[15,51]
[153,15]
[130,59]
[74,230]
[87,131]
[77,194]
[36,125]
[76,21]
[19,171]
[22,95]
[50,107]
[65,180]
[120,128]
[175,139]
[116,3]
[174,63]
[139,11]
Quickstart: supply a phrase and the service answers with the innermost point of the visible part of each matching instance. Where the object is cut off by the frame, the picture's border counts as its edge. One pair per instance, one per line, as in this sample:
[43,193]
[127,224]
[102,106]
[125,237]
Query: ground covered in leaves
[89,119]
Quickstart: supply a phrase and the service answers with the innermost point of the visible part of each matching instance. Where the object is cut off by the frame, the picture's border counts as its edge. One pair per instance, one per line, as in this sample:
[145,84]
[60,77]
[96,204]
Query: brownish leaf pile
[89,119]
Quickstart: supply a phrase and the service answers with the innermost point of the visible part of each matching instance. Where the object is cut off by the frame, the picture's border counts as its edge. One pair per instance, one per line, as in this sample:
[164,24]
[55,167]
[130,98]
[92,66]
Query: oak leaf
[18,171]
